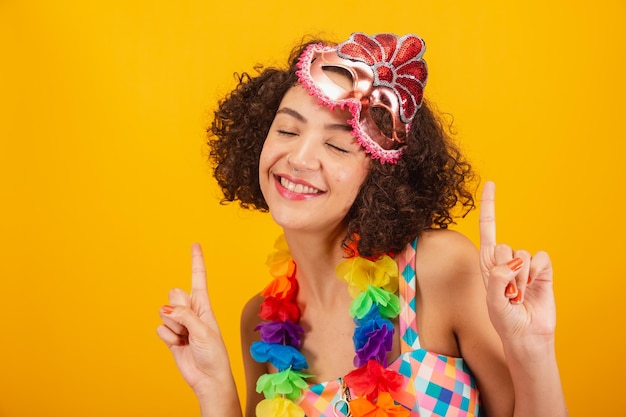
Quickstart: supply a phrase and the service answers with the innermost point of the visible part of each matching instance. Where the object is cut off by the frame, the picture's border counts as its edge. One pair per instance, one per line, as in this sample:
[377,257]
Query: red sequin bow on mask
[386,71]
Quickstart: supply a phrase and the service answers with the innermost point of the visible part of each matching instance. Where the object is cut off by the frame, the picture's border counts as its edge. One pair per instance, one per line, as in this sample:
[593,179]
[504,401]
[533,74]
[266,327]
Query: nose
[304,155]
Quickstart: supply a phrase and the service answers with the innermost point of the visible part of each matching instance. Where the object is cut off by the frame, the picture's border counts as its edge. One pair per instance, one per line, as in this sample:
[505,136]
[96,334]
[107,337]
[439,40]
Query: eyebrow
[296,115]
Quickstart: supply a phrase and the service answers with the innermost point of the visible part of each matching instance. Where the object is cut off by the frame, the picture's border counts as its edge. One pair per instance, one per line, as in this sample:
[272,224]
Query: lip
[290,195]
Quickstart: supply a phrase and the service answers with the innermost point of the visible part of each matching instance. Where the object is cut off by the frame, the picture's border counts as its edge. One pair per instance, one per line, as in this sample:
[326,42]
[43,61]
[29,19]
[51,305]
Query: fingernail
[517,299]
[515,264]
[529,279]
[510,290]
[167,309]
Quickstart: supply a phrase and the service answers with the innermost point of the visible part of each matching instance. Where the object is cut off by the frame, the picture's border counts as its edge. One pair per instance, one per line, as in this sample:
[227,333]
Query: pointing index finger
[488,216]
[198,271]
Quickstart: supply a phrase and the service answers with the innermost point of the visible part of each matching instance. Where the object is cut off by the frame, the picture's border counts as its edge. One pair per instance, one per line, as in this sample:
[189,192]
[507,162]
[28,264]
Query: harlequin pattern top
[434,384]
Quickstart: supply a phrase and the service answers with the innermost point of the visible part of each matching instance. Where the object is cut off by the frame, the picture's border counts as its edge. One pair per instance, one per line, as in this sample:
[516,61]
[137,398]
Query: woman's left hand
[520,299]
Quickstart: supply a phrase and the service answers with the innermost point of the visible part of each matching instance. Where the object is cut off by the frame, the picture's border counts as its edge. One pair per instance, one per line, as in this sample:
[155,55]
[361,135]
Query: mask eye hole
[382,119]
[340,76]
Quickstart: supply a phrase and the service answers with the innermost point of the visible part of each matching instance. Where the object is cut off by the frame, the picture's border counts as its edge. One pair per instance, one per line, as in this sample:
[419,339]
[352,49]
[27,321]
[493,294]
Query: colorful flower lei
[372,285]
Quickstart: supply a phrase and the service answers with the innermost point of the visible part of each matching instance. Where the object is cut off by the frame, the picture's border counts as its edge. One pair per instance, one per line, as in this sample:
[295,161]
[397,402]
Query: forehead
[299,99]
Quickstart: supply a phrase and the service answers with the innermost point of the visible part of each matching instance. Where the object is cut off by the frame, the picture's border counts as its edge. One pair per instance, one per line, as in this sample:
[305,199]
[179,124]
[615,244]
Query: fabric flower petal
[372,340]
[288,383]
[362,407]
[274,309]
[371,379]
[281,332]
[280,287]
[372,315]
[385,403]
[384,407]
[359,273]
[360,306]
[388,303]
[376,346]
[280,262]
[364,331]
[280,356]
[278,407]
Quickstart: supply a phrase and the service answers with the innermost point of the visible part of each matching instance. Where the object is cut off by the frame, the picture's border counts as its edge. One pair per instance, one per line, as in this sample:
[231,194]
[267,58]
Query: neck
[316,258]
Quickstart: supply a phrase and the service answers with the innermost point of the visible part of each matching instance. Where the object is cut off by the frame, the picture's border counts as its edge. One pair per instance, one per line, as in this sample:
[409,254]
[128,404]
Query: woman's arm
[192,334]
[521,306]
[453,297]
[507,341]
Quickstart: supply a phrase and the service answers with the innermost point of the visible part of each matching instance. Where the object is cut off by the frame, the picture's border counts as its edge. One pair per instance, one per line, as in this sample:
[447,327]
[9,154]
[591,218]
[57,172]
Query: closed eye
[337,148]
[286,132]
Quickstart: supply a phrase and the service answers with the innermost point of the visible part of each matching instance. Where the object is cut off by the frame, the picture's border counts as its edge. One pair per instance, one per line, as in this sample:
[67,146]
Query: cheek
[266,160]
[267,156]
[341,177]
[351,179]
[263,161]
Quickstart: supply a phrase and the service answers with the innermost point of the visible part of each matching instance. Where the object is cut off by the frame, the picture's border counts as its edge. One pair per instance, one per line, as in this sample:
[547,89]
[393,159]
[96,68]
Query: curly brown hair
[396,201]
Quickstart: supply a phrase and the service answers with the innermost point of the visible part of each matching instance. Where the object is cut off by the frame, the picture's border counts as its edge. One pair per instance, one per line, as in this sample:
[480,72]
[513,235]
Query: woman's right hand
[192,334]
[520,298]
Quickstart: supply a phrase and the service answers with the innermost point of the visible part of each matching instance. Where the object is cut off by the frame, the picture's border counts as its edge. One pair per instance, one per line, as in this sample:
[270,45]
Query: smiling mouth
[298,188]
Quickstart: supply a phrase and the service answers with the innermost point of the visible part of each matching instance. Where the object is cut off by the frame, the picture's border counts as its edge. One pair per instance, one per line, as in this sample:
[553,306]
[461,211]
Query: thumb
[178,296]
[187,318]
[501,287]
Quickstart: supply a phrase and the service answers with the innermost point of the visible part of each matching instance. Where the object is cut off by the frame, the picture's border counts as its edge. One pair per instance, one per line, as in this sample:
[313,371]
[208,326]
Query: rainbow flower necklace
[372,285]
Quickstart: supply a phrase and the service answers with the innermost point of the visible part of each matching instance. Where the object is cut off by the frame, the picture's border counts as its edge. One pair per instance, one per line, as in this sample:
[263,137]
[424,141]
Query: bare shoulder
[446,257]
[448,270]
[438,238]
[448,279]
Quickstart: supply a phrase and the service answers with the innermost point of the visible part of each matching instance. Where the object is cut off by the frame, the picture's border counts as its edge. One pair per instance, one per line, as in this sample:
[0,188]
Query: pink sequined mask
[387,72]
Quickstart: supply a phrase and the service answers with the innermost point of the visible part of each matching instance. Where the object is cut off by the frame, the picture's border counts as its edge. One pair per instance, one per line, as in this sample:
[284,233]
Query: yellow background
[104,185]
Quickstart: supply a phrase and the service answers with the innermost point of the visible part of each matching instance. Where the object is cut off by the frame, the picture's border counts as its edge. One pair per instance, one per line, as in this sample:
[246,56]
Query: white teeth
[297,188]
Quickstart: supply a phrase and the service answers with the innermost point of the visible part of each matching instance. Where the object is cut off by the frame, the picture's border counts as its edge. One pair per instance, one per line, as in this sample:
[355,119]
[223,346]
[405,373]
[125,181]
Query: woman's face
[311,167]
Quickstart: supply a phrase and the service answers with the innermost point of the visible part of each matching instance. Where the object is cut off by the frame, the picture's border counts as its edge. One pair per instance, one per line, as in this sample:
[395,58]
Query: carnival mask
[387,73]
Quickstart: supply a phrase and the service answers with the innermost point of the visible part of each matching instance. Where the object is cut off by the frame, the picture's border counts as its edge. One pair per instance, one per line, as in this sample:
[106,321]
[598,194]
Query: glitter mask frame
[363,96]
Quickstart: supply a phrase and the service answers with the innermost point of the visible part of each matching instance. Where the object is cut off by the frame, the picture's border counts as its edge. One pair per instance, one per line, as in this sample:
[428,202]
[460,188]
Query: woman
[375,307]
